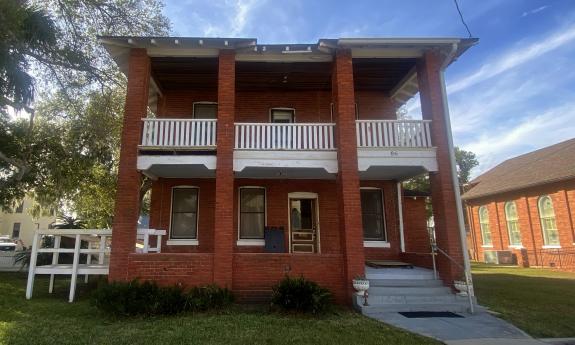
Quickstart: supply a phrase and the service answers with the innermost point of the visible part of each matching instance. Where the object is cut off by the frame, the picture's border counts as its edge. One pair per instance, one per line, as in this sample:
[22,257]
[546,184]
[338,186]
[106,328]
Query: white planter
[461,286]
[361,286]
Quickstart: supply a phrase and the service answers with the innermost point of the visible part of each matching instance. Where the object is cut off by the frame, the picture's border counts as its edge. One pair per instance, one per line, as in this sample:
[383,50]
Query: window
[252,212]
[184,221]
[16,230]
[512,223]
[20,207]
[282,115]
[205,110]
[484,225]
[548,224]
[372,214]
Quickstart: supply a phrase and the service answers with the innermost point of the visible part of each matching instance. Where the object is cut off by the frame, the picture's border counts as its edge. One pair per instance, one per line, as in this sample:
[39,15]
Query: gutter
[462,234]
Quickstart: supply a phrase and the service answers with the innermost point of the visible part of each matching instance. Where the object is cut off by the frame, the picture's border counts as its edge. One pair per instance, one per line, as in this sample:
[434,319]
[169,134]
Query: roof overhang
[248,49]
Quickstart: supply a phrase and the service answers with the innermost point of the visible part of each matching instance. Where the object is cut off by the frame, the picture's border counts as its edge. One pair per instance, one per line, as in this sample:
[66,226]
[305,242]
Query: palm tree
[69,222]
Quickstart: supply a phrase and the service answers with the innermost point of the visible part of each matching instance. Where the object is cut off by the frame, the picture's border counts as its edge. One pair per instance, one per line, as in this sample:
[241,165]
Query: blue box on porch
[274,239]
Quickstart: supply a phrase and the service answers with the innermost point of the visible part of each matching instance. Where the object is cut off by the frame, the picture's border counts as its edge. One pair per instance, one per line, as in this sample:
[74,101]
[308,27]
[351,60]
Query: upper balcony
[387,149]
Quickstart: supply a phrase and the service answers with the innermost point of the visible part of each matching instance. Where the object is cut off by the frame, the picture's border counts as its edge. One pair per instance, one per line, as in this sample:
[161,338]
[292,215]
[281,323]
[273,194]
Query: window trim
[543,230]
[516,220]
[184,241]
[372,242]
[270,118]
[483,243]
[202,103]
[251,241]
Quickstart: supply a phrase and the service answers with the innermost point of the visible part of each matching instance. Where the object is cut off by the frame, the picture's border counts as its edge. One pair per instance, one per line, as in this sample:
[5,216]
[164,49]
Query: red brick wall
[252,106]
[415,225]
[171,269]
[563,196]
[127,207]
[442,190]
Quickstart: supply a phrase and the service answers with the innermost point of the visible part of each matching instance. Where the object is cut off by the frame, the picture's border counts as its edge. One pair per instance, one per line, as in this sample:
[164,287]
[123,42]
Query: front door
[304,229]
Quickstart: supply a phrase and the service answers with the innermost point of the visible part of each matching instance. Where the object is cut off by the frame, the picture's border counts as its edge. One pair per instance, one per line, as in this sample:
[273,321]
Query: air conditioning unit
[500,257]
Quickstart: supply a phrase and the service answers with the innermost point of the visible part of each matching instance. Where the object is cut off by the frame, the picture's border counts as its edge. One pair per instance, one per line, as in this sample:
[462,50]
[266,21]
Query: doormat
[423,314]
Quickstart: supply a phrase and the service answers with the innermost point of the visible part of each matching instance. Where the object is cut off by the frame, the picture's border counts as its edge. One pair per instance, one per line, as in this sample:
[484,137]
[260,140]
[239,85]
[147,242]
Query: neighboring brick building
[302,137]
[526,206]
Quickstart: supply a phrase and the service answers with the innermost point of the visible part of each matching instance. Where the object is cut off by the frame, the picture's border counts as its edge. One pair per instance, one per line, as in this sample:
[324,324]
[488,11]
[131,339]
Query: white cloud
[538,9]
[514,58]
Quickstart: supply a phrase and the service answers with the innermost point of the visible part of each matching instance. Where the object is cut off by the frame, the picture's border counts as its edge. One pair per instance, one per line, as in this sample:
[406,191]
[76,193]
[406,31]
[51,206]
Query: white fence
[284,136]
[179,133]
[393,133]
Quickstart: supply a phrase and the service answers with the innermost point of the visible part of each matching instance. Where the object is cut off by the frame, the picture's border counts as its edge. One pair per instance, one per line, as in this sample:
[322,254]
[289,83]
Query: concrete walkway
[480,328]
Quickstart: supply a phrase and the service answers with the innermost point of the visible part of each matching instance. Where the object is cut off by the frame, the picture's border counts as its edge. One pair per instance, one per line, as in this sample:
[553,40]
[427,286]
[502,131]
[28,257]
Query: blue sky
[512,93]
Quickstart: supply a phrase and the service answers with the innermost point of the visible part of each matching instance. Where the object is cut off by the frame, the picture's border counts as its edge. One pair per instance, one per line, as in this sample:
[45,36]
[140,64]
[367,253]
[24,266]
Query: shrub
[301,295]
[147,298]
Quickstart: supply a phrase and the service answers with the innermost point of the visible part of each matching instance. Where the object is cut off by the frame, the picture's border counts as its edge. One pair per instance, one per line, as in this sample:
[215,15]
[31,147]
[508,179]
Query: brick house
[276,159]
[523,210]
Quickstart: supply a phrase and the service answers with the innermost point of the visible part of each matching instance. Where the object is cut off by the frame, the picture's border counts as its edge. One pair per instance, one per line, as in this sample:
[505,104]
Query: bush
[147,298]
[301,295]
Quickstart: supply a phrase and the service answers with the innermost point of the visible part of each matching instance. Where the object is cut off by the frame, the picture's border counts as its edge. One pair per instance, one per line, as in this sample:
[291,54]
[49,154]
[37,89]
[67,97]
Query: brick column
[223,227]
[348,177]
[442,192]
[127,207]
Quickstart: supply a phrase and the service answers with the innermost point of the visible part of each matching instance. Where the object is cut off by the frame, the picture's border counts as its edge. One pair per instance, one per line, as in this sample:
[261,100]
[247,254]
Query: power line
[461,17]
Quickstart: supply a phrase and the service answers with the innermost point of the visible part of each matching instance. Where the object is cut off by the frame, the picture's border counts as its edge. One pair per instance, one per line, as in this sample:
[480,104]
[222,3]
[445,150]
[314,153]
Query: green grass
[49,319]
[539,301]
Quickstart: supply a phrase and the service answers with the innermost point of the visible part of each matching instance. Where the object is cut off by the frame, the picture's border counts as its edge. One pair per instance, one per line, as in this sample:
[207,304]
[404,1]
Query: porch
[386,149]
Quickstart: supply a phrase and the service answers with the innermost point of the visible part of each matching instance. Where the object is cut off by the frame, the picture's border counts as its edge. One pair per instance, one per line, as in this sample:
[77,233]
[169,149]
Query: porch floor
[398,273]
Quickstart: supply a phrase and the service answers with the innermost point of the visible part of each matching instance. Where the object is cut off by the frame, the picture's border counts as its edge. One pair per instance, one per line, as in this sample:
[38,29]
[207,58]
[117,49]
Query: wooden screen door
[304,229]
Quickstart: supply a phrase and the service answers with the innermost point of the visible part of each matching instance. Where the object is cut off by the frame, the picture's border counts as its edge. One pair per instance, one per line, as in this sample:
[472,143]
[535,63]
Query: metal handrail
[468,281]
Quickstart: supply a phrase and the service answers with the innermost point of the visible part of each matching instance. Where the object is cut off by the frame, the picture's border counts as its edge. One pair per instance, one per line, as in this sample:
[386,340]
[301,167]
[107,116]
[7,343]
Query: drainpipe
[400,215]
[455,180]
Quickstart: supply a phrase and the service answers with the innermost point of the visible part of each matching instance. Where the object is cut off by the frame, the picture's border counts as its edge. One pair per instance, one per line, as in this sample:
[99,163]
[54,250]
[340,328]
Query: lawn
[539,301]
[49,319]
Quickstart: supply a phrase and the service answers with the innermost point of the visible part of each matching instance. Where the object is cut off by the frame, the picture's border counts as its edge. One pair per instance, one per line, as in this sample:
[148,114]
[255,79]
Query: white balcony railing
[393,133]
[284,136]
[179,133]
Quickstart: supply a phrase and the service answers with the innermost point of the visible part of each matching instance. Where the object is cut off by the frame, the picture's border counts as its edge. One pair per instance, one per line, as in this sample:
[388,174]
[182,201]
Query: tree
[466,161]
[67,151]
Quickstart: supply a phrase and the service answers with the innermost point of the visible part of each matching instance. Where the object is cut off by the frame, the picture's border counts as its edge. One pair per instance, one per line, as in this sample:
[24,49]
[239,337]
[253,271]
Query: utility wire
[461,17]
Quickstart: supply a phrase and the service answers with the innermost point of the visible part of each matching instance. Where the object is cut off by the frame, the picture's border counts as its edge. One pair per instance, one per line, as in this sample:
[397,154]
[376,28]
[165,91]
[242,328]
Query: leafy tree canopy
[63,146]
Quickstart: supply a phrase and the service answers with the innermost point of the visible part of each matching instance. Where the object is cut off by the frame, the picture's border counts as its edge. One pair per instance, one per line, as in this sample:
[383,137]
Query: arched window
[548,224]
[512,223]
[484,225]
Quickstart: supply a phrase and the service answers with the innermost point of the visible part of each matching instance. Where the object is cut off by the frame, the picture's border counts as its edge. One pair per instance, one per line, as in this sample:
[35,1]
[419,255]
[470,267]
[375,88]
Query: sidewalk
[480,328]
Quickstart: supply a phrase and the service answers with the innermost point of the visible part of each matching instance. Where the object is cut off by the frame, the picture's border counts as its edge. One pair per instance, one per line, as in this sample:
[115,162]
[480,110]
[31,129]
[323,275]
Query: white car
[7,244]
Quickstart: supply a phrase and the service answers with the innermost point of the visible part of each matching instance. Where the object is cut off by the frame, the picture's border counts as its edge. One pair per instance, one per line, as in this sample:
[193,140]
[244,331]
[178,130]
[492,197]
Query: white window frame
[481,229]
[543,230]
[509,220]
[377,243]
[282,108]
[202,103]
[184,241]
[251,241]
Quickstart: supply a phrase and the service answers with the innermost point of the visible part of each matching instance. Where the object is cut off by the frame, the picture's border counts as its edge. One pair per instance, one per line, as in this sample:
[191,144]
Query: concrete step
[402,274]
[403,299]
[404,282]
[458,307]
[409,290]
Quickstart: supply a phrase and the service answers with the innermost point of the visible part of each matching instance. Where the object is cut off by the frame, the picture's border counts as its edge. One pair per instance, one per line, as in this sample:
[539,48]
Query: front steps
[408,289]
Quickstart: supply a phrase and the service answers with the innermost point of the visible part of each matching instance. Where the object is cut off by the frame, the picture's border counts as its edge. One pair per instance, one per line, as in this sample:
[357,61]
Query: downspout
[400,216]
[455,180]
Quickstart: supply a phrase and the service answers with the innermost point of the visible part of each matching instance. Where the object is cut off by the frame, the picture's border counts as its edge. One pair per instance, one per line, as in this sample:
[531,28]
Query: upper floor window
[252,212]
[484,225]
[512,223]
[548,224]
[372,214]
[184,217]
[16,230]
[282,115]
[205,110]
[20,207]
